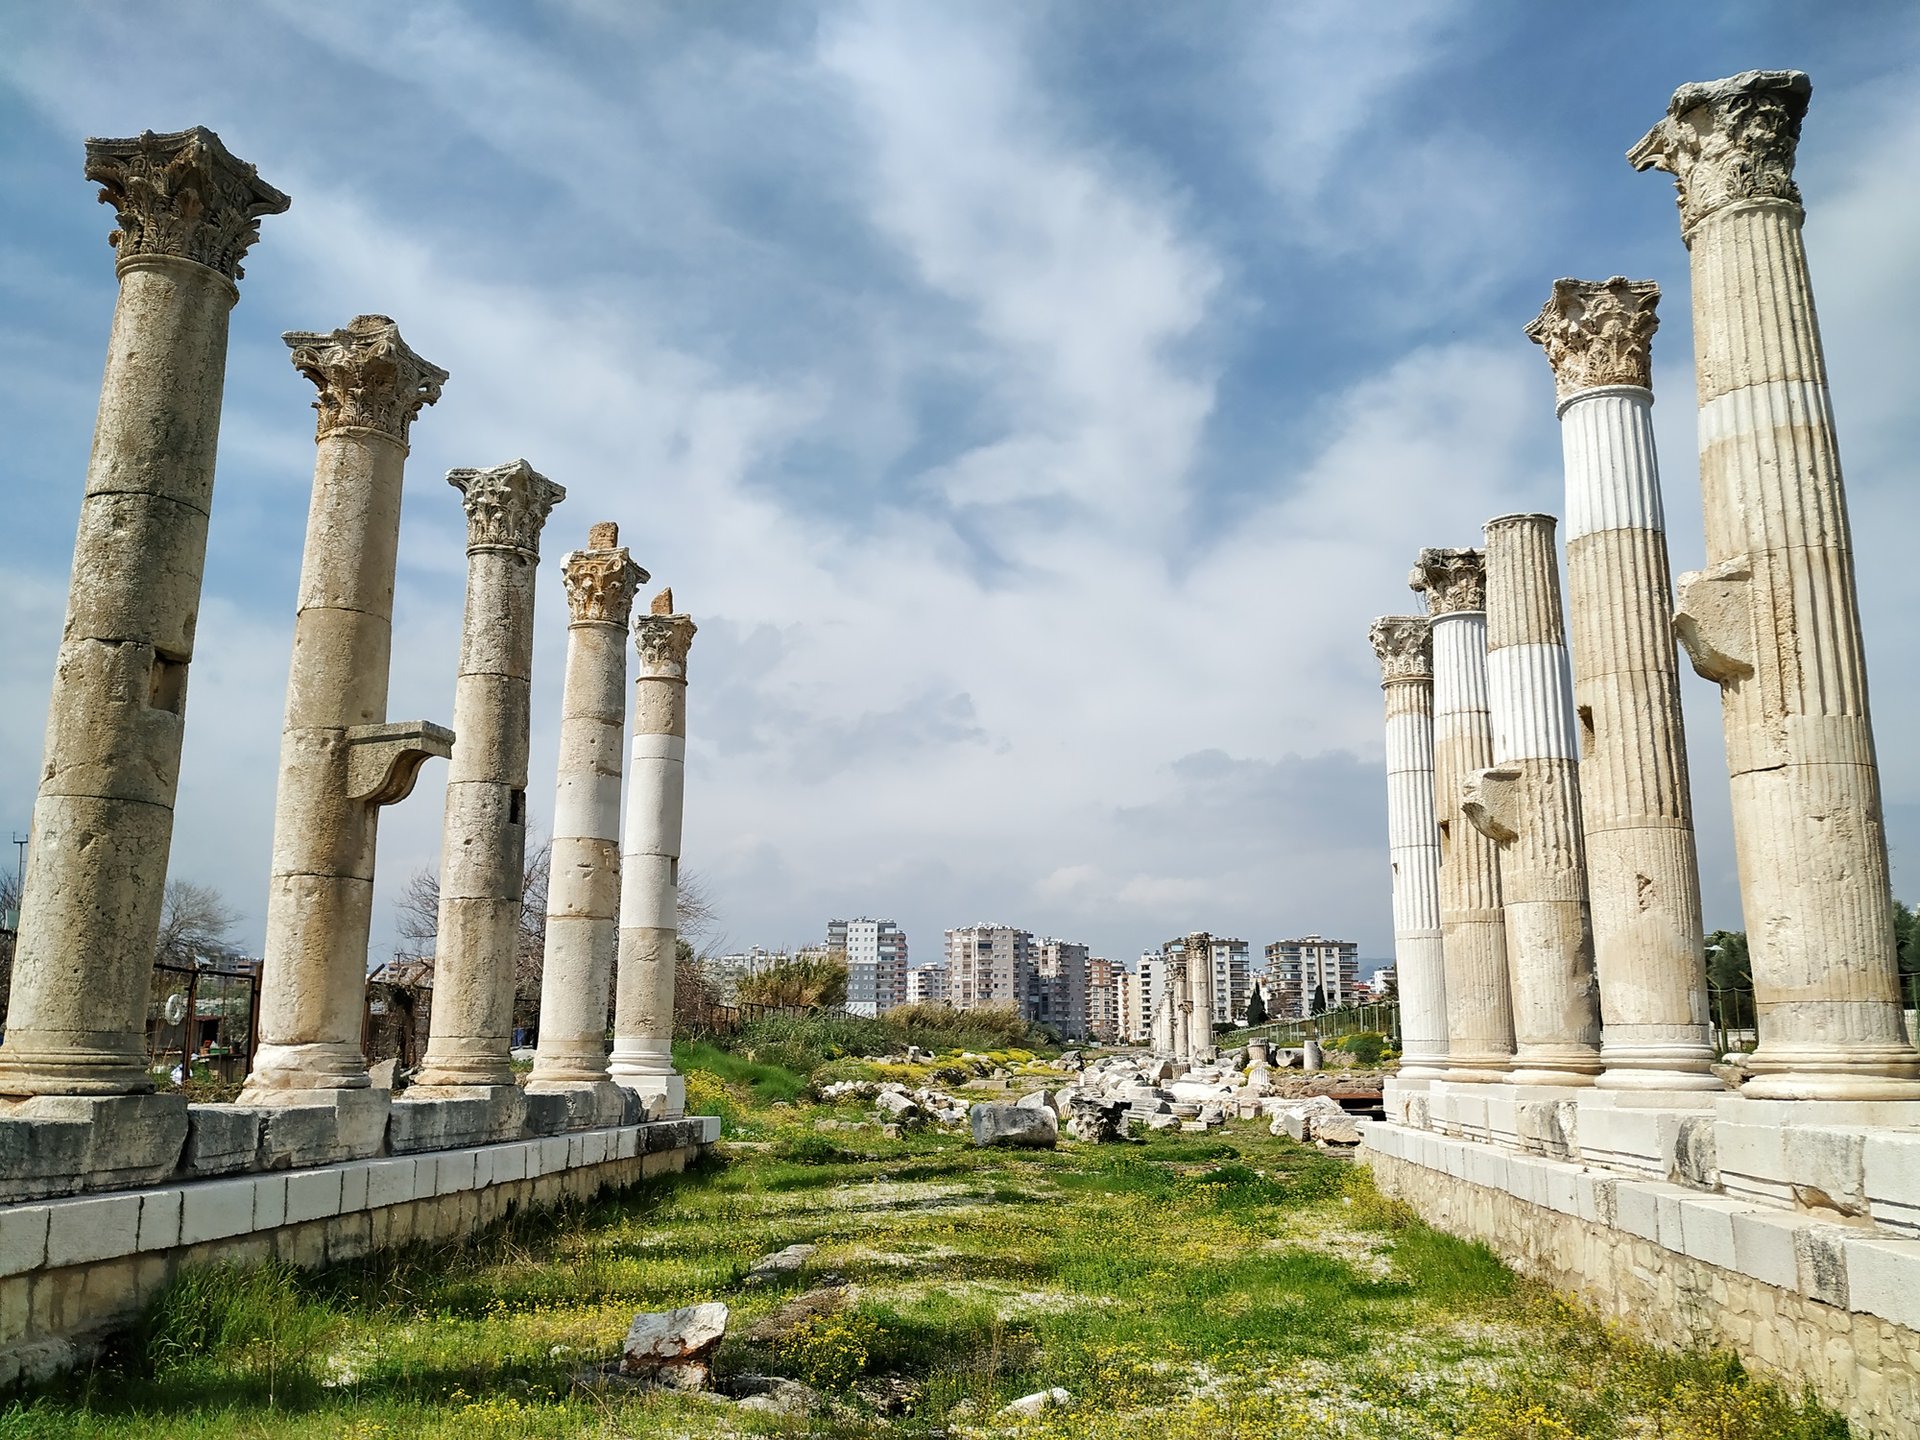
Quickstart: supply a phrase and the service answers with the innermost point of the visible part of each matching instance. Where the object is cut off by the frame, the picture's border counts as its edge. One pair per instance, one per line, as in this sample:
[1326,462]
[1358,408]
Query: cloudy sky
[1033,403]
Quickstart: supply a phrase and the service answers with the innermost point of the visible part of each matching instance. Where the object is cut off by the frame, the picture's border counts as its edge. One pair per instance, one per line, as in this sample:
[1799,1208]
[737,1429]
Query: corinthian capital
[1453,580]
[1598,332]
[506,506]
[368,377]
[663,641]
[183,195]
[1728,140]
[601,580]
[1404,646]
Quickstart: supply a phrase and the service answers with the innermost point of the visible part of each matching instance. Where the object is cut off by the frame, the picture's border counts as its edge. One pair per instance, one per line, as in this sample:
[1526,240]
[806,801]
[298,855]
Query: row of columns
[90,914]
[1541,818]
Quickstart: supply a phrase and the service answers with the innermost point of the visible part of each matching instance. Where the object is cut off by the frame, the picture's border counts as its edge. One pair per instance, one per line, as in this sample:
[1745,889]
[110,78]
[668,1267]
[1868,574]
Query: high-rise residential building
[1232,975]
[1296,969]
[1149,981]
[1106,1001]
[927,985]
[1059,998]
[727,971]
[990,967]
[876,952]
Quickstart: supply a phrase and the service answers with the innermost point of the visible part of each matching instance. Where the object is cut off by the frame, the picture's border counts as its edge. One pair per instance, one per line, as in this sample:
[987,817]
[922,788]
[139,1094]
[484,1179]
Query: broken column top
[506,506]
[183,195]
[368,377]
[1728,140]
[663,639]
[602,579]
[1598,332]
[1454,579]
[1404,646]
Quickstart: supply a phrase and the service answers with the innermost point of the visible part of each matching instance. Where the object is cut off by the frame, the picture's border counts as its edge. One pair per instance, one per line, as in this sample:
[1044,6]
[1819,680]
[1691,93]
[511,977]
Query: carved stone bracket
[1598,332]
[1493,802]
[663,642]
[367,375]
[1454,580]
[1404,646]
[506,506]
[1728,140]
[383,761]
[183,195]
[1713,620]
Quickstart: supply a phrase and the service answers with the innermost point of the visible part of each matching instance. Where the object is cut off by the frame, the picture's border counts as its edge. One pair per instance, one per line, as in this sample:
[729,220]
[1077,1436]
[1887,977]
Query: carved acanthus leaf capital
[601,585]
[183,195]
[1404,646]
[1598,332]
[1452,579]
[506,506]
[1728,140]
[368,377]
[663,642]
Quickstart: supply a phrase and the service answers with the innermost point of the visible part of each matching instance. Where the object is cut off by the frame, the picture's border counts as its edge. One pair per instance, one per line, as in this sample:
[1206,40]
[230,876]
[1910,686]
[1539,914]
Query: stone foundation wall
[1822,1317]
[73,1271]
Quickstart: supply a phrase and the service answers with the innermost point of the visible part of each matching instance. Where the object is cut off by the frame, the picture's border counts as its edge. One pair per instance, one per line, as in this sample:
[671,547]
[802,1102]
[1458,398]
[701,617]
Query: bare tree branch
[194,921]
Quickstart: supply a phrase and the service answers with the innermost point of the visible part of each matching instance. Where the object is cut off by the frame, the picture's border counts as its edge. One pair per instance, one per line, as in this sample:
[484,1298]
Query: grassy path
[1217,1286]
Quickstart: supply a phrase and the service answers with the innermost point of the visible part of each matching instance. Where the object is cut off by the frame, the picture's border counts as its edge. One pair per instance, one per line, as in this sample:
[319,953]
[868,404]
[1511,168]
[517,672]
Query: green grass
[1194,1286]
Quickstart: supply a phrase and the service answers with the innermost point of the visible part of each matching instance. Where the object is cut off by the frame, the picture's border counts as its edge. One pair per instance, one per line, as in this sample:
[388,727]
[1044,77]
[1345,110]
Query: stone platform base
[73,1271]
[1820,1303]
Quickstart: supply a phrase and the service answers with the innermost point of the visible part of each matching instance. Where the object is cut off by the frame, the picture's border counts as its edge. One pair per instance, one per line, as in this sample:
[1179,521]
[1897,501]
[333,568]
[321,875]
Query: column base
[42,1064]
[455,1072]
[1467,1068]
[1850,1072]
[1658,1070]
[664,1096]
[295,1074]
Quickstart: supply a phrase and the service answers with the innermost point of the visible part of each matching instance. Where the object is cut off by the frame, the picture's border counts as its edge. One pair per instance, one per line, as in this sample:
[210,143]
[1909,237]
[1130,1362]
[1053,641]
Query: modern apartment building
[1107,987]
[927,985]
[1296,969]
[990,967]
[1148,983]
[876,952]
[1059,998]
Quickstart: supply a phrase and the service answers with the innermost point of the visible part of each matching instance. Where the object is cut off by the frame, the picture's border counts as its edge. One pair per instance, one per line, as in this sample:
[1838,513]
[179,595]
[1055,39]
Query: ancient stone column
[1643,878]
[1404,647]
[484,840]
[583,886]
[1774,619]
[103,822]
[1200,988]
[1169,1025]
[1473,942]
[1528,804]
[650,863]
[340,760]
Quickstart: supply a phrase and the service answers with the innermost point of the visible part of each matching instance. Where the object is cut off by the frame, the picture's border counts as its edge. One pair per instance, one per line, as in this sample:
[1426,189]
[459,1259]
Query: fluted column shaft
[1775,617]
[1200,987]
[650,864]
[1404,647]
[1528,803]
[484,840]
[339,759]
[583,885]
[103,819]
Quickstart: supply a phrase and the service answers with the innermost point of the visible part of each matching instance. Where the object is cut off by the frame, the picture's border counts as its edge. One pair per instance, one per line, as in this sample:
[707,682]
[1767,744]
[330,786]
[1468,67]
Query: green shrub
[941,1027]
[1366,1046]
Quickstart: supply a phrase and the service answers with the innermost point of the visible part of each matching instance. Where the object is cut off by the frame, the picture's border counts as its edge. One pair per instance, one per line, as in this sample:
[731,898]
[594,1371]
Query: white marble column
[484,841]
[1643,879]
[1528,804]
[1403,645]
[1774,619]
[1180,1007]
[1473,941]
[1200,988]
[187,211]
[650,863]
[340,761]
[583,887]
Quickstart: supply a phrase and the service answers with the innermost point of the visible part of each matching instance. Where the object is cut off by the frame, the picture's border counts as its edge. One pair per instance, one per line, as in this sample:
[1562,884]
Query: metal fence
[204,1021]
[1381,1017]
[701,1017]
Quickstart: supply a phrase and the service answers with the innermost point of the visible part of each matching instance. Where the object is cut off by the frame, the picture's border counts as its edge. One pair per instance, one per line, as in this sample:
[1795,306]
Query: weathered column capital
[368,377]
[1404,646]
[1598,332]
[602,579]
[1729,140]
[1454,579]
[663,640]
[182,195]
[506,506]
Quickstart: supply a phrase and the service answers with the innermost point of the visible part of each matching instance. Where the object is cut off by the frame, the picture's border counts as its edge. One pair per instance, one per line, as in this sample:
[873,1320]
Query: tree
[419,926]
[801,983]
[194,922]
[1728,966]
[1319,1000]
[9,918]
[1906,937]
[1256,1007]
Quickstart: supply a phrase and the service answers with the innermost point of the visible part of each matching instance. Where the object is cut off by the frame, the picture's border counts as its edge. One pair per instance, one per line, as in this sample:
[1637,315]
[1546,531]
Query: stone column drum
[583,888]
[103,820]
[1528,804]
[1774,619]
[1473,941]
[1200,987]
[340,760]
[650,863]
[1643,876]
[484,840]
[1404,646]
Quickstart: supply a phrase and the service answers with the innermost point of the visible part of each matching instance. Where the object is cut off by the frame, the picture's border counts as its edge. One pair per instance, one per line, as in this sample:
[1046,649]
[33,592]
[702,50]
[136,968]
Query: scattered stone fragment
[1039,1401]
[780,1263]
[674,1347]
[1012,1125]
[773,1395]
